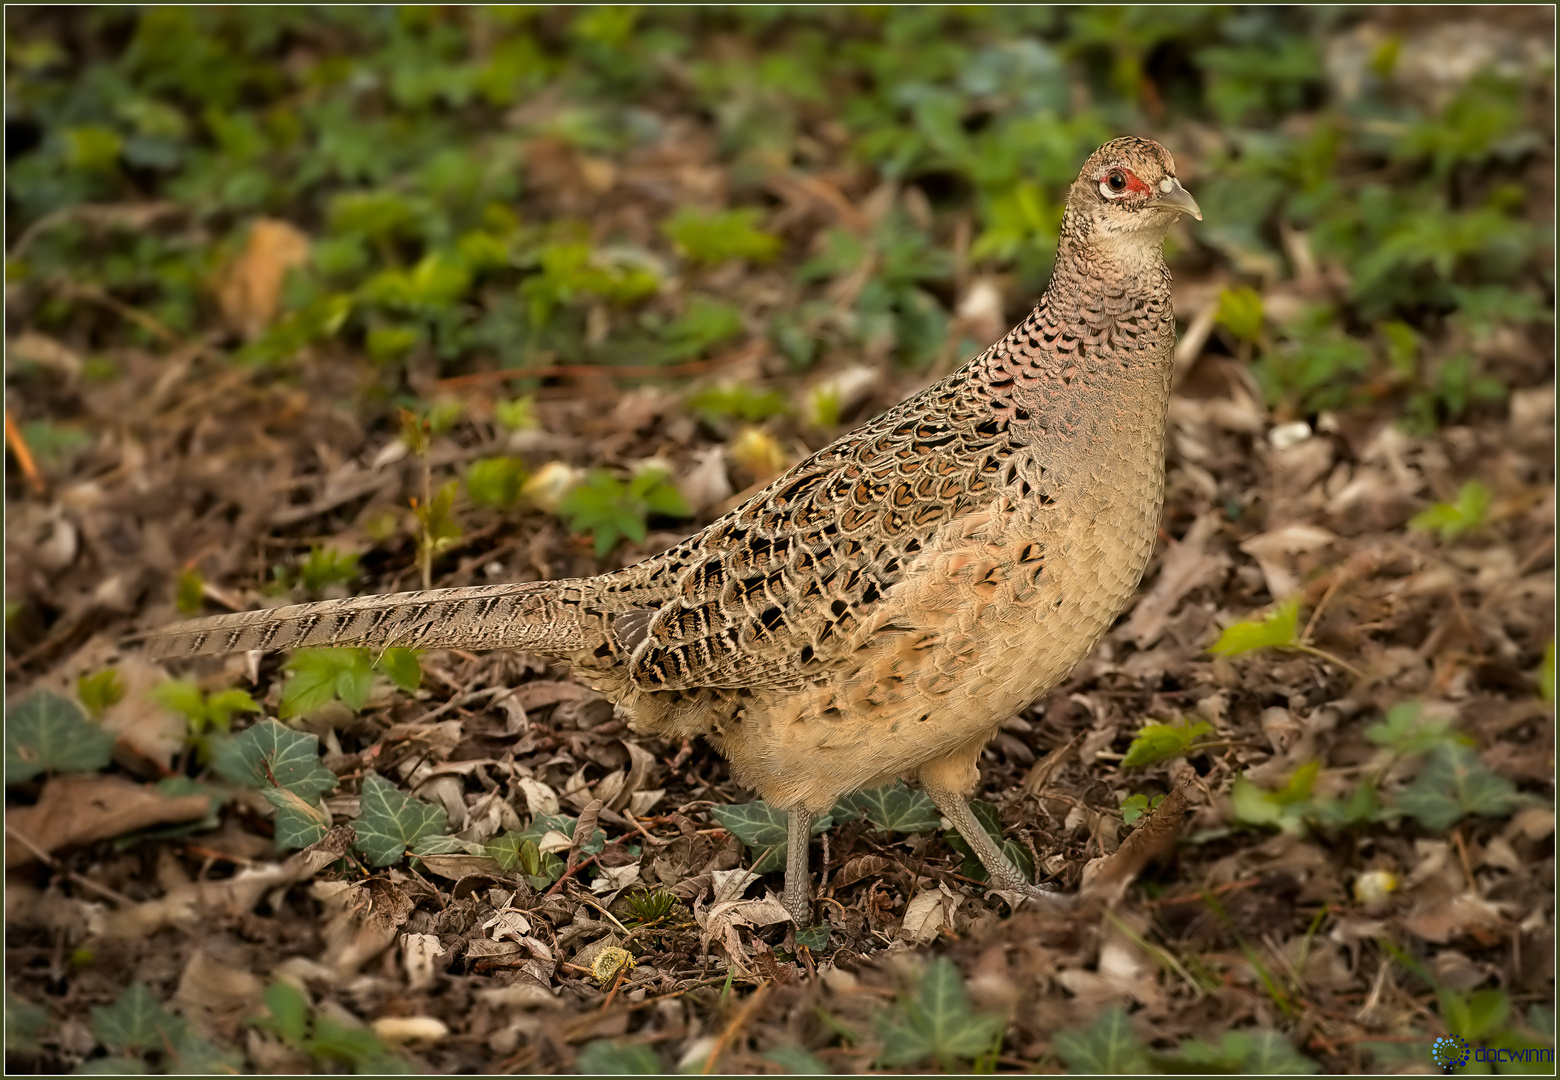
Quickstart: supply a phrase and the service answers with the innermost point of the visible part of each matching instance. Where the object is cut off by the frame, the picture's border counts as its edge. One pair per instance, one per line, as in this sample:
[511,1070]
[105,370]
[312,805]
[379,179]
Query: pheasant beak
[1175,197]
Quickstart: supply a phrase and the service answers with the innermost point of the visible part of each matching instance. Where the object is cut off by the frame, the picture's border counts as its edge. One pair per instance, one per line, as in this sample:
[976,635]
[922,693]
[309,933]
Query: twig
[54,864]
[739,1021]
[146,322]
[23,455]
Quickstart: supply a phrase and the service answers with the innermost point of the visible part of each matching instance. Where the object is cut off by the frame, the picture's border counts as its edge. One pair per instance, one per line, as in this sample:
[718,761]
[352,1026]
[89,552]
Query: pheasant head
[1128,191]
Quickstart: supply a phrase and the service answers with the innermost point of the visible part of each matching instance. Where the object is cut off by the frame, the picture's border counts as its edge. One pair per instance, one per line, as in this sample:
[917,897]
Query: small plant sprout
[1452,519]
[1278,629]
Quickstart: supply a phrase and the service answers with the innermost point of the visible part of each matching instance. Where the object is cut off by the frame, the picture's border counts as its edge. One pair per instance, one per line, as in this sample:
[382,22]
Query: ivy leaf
[24,1022]
[1453,784]
[543,824]
[1278,628]
[269,753]
[606,1057]
[1159,742]
[936,1022]
[49,733]
[358,1046]
[392,821]
[440,844]
[299,822]
[895,808]
[764,829]
[1246,1052]
[135,1022]
[289,1011]
[516,850]
[1405,731]
[1106,1046]
[815,938]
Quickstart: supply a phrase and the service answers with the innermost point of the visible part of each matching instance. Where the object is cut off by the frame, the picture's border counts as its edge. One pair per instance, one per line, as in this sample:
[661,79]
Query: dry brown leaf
[1186,566]
[81,809]
[249,290]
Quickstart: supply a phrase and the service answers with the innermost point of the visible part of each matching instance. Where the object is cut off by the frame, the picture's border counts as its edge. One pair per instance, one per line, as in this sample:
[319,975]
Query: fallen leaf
[1186,566]
[927,914]
[1272,550]
[250,289]
[78,809]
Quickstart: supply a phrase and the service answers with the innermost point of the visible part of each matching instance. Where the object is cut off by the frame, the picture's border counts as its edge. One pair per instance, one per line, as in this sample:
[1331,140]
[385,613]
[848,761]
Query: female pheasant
[880,609]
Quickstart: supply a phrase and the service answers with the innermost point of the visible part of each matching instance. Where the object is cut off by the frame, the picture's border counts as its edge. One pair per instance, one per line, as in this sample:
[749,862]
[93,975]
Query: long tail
[543,616]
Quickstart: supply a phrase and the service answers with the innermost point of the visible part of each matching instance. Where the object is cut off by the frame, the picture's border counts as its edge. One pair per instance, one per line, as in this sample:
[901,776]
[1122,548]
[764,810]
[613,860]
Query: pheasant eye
[1114,183]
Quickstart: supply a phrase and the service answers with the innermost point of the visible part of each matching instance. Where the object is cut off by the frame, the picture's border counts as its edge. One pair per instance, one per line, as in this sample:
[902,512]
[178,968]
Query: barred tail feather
[544,616]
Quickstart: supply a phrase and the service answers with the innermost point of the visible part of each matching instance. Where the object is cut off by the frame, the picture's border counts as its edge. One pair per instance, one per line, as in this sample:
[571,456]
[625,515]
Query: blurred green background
[482,187]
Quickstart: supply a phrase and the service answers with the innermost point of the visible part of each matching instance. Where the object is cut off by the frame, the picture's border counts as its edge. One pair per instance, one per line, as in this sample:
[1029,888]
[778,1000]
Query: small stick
[737,1023]
[23,455]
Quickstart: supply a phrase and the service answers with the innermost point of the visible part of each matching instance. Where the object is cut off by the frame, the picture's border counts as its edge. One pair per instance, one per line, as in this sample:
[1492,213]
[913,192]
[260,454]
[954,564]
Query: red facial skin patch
[1134,185]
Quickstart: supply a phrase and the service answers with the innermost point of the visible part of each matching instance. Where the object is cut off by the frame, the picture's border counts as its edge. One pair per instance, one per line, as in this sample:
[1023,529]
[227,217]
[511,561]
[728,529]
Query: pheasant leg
[798,883]
[1004,875]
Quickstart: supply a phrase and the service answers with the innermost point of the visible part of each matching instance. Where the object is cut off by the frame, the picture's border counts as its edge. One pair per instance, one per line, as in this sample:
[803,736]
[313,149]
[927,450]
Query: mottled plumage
[882,607]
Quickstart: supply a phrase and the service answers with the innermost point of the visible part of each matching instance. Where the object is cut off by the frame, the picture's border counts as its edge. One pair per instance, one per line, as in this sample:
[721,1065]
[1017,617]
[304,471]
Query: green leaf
[796,1061]
[299,821]
[269,753]
[1284,809]
[1245,1052]
[724,234]
[764,829]
[1138,805]
[518,414]
[100,691]
[49,733]
[189,594]
[1159,742]
[358,1046]
[895,808]
[136,1022]
[181,696]
[495,482]
[1476,1016]
[1107,1046]
[326,566]
[392,821]
[402,667]
[608,1057]
[937,1022]
[1406,731]
[1278,628]
[1451,520]
[319,675]
[815,938]
[1240,310]
[739,401]
[289,1013]
[24,1022]
[518,851]
[1453,784]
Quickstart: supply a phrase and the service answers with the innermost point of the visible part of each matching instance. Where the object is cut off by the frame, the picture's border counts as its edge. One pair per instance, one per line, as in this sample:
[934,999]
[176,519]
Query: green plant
[652,907]
[392,823]
[1137,806]
[608,1057]
[190,592]
[285,766]
[496,482]
[609,509]
[722,235]
[321,675]
[141,1035]
[289,1017]
[1278,629]
[764,830]
[1158,742]
[936,1021]
[45,732]
[100,691]
[726,401]
[517,414]
[1462,515]
[204,712]
[326,566]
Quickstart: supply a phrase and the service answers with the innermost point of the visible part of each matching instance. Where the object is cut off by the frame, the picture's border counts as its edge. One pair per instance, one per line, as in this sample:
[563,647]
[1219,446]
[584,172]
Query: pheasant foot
[1004,875]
